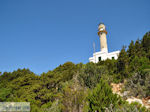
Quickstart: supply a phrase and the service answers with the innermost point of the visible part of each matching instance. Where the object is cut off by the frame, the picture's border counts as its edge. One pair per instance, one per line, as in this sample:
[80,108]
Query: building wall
[104,56]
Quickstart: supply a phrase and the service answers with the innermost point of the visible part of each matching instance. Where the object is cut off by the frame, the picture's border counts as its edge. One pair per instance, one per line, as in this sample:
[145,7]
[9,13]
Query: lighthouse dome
[101,26]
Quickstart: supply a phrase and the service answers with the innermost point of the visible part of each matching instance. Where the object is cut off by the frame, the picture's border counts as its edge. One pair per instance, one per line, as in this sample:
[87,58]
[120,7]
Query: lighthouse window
[99,59]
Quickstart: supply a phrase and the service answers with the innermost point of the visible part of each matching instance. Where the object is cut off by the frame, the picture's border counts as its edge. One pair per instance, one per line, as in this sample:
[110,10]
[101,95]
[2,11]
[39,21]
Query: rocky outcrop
[116,88]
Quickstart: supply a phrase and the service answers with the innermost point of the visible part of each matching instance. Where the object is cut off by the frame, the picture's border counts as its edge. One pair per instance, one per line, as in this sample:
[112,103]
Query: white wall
[104,56]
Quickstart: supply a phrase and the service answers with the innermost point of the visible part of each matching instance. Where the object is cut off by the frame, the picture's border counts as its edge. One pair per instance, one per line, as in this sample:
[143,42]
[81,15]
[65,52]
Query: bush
[102,97]
[91,74]
[133,107]
[139,85]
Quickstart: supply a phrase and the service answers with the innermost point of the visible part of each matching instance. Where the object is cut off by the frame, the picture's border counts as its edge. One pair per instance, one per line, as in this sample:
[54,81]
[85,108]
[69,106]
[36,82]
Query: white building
[103,54]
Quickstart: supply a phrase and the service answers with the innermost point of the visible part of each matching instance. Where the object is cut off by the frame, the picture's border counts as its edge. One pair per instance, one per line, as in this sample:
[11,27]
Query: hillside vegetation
[83,87]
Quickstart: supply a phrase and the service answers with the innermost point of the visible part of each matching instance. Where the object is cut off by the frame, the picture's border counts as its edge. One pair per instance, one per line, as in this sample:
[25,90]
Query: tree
[4,94]
[102,97]
[90,74]
[131,50]
[138,64]
[73,96]
[139,51]
[146,44]
[139,85]
[111,65]
[122,63]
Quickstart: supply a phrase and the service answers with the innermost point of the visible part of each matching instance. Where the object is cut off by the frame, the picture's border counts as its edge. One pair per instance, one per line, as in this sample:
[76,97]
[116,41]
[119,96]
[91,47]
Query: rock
[133,99]
[148,102]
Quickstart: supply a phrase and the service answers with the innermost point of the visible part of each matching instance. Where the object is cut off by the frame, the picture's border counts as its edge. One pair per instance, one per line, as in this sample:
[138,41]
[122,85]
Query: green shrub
[102,97]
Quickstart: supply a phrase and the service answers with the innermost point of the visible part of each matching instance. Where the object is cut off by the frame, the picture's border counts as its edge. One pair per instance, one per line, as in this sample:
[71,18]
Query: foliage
[138,64]
[125,107]
[139,85]
[73,96]
[146,44]
[4,93]
[122,63]
[91,73]
[101,97]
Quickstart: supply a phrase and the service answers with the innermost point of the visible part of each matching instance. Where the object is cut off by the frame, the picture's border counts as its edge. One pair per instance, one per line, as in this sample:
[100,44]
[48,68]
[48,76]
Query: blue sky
[42,34]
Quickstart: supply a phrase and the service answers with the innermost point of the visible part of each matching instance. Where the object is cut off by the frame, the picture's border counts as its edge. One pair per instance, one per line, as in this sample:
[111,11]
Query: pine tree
[102,97]
[122,63]
[146,44]
[131,50]
[139,51]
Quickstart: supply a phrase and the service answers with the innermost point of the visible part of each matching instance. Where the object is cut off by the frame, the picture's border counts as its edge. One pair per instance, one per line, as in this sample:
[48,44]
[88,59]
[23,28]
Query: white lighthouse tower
[103,54]
[103,40]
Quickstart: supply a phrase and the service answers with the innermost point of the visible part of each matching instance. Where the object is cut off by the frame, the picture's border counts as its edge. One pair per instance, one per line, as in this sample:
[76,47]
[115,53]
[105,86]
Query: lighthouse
[103,54]
[102,35]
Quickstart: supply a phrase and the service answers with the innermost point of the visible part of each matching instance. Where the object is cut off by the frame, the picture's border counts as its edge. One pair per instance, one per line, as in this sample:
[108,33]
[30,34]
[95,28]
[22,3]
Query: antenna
[94,46]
